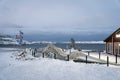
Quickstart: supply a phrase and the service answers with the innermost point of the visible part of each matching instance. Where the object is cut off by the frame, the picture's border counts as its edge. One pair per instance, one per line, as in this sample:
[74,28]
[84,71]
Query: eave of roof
[111,35]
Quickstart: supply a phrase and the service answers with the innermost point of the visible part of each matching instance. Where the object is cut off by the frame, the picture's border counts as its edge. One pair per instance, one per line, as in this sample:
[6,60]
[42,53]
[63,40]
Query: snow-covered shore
[51,69]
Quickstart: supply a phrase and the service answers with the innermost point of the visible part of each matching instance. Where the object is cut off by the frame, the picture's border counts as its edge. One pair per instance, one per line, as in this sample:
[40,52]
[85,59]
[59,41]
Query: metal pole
[54,56]
[70,50]
[116,58]
[43,55]
[86,59]
[99,54]
[107,61]
[68,57]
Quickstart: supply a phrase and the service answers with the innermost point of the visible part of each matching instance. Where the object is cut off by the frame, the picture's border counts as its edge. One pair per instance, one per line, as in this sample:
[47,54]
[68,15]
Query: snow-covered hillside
[52,69]
[6,39]
[77,42]
[88,42]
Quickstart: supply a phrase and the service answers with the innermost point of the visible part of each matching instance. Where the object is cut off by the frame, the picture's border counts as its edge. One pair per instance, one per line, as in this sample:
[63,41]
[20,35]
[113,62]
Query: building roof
[113,34]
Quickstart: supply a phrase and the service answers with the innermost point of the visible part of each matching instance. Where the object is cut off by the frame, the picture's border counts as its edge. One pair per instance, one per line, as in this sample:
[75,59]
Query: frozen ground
[103,56]
[51,69]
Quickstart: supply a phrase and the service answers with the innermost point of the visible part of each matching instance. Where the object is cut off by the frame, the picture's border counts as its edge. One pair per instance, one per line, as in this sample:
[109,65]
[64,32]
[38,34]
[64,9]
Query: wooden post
[68,57]
[43,55]
[99,54]
[116,59]
[86,59]
[54,56]
[107,61]
[34,53]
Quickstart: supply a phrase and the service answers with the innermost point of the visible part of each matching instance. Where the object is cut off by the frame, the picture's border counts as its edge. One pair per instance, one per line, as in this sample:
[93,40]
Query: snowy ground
[51,69]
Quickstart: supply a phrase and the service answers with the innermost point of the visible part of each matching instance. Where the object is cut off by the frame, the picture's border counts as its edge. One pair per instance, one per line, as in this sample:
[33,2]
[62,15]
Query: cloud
[60,16]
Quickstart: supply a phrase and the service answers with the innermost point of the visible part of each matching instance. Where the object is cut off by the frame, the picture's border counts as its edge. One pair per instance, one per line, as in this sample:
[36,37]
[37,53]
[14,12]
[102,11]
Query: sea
[82,46]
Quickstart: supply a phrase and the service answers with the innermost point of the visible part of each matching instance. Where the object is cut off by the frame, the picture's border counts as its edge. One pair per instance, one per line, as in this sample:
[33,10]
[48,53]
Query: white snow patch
[51,69]
[69,51]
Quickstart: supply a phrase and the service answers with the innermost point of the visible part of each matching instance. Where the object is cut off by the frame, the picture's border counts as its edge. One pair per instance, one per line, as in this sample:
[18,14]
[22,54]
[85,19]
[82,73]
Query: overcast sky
[73,17]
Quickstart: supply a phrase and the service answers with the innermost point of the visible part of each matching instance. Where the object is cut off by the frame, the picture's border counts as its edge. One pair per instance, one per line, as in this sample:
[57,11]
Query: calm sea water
[94,47]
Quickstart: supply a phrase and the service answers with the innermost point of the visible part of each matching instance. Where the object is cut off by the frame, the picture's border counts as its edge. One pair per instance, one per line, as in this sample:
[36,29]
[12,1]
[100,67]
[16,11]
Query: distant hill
[7,39]
[3,36]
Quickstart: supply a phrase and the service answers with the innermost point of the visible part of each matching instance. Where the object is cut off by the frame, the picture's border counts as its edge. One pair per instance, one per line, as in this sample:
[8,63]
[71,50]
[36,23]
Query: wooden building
[113,43]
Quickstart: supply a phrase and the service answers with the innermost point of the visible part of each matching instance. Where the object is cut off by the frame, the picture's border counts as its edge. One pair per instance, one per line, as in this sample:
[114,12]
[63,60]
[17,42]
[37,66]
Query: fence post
[86,59]
[54,56]
[34,53]
[68,57]
[116,59]
[107,61]
[88,53]
[99,54]
[43,55]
